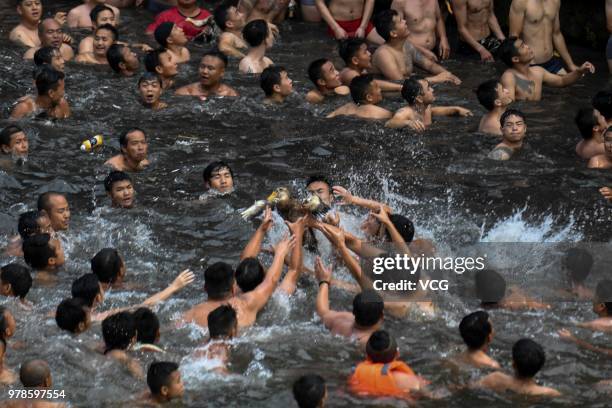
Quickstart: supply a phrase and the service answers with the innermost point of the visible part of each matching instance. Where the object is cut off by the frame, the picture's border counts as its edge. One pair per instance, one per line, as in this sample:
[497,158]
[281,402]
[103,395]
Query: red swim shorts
[350,27]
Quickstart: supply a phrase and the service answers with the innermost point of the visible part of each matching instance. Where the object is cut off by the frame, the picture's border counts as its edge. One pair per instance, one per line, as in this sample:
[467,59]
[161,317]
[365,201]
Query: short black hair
[309,391]
[218,280]
[381,347]
[585,121]
[123,138]
[411,89]
[48,79]
[33,373]
[149,76]
[603,294]
[221,13]
[315,70]
[222,321]
[511,112]
[37,251]
[249,274]
[158,375]
[147,325]
[602,101]
[214,167]
[368,308]
[383,22]
[86,287]
[508,50]
[255,32]
[118,330]
[578,262]
[113,177]
[106,265]
[475,328]
[490,286]
[528,357]
[318,178]
[403,225]
[348,48]
[7,133]
[114,55]
[151,59]
[44,200]
[214,52]
[28,223]
[93,14]
[44,55]
[70,313]
[360,86]
[269,77]
[487,94]
[110,28]
[19,277]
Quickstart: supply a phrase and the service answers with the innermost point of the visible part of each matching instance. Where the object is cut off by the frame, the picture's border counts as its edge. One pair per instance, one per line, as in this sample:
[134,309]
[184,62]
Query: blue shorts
[553,65]
[307,2]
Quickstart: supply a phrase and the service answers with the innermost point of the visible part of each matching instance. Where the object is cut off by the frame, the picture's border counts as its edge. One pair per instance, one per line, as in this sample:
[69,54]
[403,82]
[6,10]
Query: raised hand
[184,279]
[284,246]
[267,221]
[322,272]
[345,196]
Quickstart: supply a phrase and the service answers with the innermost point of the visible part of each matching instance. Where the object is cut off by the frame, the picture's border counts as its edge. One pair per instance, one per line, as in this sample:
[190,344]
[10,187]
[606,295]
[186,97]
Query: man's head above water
[56,207]
[218,176]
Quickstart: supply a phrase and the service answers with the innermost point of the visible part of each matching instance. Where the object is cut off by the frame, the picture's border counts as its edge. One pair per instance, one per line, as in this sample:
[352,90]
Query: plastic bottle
[90,144]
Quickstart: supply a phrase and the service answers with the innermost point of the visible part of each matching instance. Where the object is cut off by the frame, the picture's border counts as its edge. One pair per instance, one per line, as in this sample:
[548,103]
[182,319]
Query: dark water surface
[441,179]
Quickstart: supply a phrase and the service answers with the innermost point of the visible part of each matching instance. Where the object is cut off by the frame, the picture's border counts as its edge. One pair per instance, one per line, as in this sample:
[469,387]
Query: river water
[441,179]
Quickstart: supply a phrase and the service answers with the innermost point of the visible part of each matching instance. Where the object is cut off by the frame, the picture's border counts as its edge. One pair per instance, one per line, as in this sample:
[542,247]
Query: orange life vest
[377,379]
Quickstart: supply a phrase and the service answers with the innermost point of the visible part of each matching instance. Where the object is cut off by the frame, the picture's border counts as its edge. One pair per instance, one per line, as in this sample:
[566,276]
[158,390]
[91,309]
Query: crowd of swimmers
[402,34]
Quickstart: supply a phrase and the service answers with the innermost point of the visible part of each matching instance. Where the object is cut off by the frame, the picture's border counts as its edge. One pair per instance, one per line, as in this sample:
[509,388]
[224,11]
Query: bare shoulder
[187,89]
[115,162]
[314,96]
[547,391]
[519,4]
[23,107]
[227,90]
[29,54]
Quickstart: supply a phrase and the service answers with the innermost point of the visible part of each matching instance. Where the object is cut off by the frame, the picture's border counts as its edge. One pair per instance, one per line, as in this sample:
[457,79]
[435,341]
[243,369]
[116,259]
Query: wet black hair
[602,101]
[44,200]
[110,28]
[44,55]
[381,347]
[360,87]
[151,59]
[309,391]
[528,357]
[114,55]
[383,22]
[578,262]
[86,287]
[269,77]
[348,48]
[149,76]
[3,322]
[403,225]
[368,308]
[70,313]
[255,32]
[490,286]
[215,167]
[19,277]
[34,373]
[163,32]
[507,51]
[147,325]
[487,94]
[318,178]
[93,14]
[475,328]
[585,121]
[221,13]
[158,375]
[315,70]
[249,274]
[118,330]
[222,321]
[411,89]
[511,112]
[7,133]
[106,265]
[48,79]
[113,177]
[603,294]
[123,138]
[37,251]
[214,52]
[28,223]
[218,280]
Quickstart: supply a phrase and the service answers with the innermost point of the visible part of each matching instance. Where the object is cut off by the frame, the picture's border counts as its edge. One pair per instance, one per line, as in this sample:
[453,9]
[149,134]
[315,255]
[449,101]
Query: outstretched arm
[253,248]
[289,282]
[450,111]
[184,279]
[565,80]
[350,199]
[567,335]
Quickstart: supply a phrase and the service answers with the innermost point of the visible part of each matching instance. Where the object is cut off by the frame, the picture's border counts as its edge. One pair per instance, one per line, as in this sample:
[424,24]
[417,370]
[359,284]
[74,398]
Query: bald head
[35,373]
[50,33]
